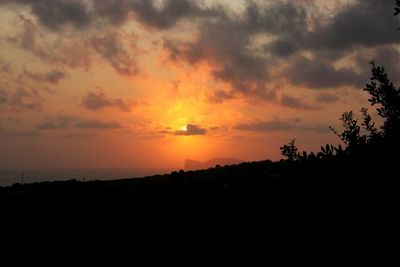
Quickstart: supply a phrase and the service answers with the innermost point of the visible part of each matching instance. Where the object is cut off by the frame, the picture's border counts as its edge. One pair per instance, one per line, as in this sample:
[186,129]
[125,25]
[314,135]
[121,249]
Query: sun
[184,128]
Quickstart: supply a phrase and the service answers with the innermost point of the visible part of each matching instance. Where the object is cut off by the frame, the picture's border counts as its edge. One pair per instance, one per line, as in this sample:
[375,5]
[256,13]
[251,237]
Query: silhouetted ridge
[197,165]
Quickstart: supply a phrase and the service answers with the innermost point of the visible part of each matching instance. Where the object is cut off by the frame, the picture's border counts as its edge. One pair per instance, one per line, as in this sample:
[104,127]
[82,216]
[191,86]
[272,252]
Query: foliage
[384,94]
[290,151]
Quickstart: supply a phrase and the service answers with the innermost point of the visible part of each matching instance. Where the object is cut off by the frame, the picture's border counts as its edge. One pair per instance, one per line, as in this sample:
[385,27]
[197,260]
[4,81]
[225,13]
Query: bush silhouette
[375,142]
[290,151]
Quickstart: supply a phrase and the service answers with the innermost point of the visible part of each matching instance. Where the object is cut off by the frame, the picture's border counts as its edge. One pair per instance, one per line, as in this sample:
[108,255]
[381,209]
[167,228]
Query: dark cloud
[220,96]
[99,100]
[54,14]
[295,103]
[79,135]
[280,125]
[71,52]
[66,122]
[225,42]
[282,47]
[96,124]
[326,98]
[228,41]
[387,56]
[169,13]
[192,129]
[61,122]
[115,11]
[110,48]
[268,126]
[366,23]
[20,99]
[53,76]
[319,73]
[224,46]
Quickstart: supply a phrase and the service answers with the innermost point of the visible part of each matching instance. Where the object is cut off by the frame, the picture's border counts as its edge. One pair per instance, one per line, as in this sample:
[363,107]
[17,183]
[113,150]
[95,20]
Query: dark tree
[290,151]
[384,94]
[369,125]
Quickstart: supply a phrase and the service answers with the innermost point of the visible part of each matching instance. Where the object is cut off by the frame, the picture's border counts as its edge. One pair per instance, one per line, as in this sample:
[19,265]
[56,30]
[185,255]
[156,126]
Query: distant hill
[191,165]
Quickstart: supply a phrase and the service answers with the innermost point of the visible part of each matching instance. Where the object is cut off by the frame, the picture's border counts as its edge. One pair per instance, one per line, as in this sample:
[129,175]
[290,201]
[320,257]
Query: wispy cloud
[281,125]
[66,122]
[53,76]
[20,99]
[96,101]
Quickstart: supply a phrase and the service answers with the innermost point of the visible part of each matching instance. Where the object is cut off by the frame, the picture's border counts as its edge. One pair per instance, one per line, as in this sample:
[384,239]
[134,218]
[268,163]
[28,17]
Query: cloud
[326,98]
[169,13]
[97,124]
[320,73]
[114,11]
[20,99]
[252,51]
[60,122]
[80,14]
[268,126]
[99,100]
[280,125]
[231,46]
[224,45]
[388,56]
[75,51]
[79,135]
[364,23]
[220,96]
[72,52]
[191,129]
[55,14]
[66,122]
[296,103]
[109,47]
[53,76]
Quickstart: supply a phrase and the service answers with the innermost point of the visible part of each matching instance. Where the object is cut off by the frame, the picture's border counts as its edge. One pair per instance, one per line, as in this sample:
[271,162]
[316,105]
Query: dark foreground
[241,205]
[323,186]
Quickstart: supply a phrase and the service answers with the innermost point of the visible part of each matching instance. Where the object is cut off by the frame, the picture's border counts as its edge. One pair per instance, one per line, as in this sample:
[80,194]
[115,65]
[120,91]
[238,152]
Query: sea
[13,176]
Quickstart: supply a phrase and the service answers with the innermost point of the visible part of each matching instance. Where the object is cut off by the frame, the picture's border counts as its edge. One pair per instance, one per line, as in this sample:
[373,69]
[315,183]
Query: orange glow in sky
[146,83]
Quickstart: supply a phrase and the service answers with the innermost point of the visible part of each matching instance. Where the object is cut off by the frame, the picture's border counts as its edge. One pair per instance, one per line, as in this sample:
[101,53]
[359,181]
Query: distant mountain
[191,165]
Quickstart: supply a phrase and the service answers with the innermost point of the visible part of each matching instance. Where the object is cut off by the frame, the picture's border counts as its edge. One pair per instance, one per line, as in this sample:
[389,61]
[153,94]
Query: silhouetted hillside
[192,165]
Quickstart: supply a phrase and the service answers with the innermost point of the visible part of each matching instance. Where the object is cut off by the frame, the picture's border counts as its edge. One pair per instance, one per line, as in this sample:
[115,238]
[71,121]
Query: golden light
[184,128]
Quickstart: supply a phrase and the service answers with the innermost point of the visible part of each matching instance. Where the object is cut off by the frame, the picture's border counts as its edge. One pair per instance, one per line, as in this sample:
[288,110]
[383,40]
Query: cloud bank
[255,52]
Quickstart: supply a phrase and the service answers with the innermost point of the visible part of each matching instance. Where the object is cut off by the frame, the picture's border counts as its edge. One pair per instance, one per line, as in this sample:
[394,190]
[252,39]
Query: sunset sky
[150,83]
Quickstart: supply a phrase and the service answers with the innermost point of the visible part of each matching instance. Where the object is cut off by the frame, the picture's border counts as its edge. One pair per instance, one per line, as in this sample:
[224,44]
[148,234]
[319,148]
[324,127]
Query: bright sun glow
[184,128]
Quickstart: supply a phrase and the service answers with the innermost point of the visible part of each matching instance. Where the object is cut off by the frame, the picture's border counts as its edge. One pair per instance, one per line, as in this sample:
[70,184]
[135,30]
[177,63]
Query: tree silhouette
[290,151]
[386,97]
[384,94]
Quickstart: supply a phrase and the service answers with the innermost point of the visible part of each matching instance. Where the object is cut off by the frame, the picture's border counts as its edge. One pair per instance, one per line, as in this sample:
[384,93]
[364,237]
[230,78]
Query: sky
[150,83]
